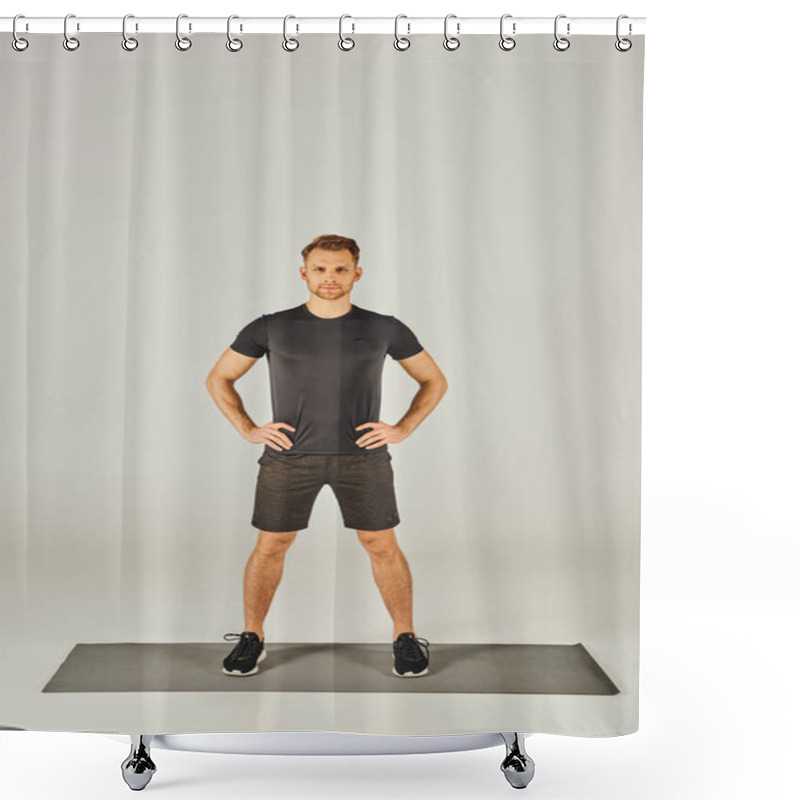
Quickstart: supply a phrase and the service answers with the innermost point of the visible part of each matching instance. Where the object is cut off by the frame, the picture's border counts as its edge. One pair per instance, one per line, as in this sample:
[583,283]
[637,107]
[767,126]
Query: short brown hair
[330,241]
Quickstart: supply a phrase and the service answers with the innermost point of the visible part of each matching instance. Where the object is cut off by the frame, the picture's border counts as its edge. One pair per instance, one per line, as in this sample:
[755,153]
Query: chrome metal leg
[138,768]
[517,766]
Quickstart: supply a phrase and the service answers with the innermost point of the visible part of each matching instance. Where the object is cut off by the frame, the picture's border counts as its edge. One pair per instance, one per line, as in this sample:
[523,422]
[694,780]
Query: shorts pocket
[265,457]
[380,454]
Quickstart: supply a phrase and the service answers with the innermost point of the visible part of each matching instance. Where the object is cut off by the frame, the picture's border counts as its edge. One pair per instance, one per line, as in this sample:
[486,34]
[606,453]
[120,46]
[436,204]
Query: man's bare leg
[392,575]
[262,575]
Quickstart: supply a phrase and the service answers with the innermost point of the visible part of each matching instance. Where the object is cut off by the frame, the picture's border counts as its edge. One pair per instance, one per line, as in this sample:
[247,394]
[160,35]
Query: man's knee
[275,542]
[379,543]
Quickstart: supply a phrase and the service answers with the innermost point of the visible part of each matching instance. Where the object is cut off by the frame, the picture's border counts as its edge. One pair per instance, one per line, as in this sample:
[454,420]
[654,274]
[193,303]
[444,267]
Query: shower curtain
[155,206]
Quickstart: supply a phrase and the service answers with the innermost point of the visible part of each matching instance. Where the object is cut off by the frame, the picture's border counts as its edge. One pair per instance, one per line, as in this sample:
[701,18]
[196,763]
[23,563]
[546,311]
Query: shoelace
[409,650]
[243,643]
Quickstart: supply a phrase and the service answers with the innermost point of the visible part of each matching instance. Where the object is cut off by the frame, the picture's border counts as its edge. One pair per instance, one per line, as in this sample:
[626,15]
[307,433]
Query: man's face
[330,268]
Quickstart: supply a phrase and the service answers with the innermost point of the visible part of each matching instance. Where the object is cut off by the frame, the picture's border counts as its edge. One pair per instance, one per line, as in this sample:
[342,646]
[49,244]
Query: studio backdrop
[157,207]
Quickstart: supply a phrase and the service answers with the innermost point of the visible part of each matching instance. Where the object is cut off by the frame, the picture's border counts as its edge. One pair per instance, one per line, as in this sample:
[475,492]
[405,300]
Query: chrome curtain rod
[345,24]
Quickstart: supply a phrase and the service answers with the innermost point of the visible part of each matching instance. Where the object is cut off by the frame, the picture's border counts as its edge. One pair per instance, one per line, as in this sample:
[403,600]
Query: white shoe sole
[410,674]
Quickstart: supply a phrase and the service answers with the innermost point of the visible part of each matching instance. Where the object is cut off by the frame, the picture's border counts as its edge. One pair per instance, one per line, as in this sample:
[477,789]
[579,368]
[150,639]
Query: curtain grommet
[401,42]
[129,43]
[183,43]
[70,43]
[507,42]
[289,43]
[233,44]
[451,42]
[622,44]
[346,43]
[561,43]
[17,41]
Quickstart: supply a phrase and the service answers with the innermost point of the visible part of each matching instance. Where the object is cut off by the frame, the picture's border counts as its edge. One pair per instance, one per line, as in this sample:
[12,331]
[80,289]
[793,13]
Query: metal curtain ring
[451,42]
[182,42]
[561,43]
[507,42]
[342,39]
[128,42]
[17,42]
[233,44]
[70,42]
[289,44]
[623,45]
[401,42]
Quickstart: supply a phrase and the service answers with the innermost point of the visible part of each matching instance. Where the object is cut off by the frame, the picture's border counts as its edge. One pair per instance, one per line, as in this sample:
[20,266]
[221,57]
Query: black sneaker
[245,657]
[410,660]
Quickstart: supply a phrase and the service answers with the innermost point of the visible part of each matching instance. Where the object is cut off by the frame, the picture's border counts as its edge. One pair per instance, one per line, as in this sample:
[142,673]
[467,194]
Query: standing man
[325,364]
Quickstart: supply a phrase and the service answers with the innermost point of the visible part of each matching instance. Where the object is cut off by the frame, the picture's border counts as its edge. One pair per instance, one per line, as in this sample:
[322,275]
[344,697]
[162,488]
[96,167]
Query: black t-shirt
[325,374]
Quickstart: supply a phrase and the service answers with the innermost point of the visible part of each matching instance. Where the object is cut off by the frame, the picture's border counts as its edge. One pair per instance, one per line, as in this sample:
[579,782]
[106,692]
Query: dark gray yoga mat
[454,668]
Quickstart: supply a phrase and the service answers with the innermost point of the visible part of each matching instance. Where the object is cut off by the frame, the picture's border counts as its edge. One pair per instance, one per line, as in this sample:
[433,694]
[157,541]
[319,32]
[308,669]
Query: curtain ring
[561,40]
[451,42]
[289,43]
[70,42]
[182,42]
[507,42]
[128,42]
[623,45]
[233,44]
[342,39]
[401,42]
[17,42]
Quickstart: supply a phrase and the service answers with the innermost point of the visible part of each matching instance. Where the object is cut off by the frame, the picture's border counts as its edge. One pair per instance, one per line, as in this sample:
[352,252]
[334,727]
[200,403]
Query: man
[325,363]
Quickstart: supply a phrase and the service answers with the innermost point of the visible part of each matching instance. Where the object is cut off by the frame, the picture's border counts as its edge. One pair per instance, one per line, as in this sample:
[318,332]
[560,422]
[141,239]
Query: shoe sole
[240,674]
[263,655]
[410,674]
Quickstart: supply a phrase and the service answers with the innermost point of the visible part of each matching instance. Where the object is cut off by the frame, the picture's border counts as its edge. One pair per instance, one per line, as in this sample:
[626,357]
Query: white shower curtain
[154,203]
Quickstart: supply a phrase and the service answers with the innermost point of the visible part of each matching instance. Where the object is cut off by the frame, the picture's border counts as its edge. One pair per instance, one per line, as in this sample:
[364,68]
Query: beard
[323,292]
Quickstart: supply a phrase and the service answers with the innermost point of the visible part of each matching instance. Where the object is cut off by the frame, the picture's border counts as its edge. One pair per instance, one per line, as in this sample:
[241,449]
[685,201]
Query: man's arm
[230,367]
[432,386]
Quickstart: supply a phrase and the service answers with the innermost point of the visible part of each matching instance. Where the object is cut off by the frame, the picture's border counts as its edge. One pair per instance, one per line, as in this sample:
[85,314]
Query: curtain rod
[299,25]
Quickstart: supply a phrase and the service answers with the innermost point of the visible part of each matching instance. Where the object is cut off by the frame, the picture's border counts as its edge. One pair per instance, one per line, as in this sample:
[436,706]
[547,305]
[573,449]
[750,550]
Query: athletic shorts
[288,485]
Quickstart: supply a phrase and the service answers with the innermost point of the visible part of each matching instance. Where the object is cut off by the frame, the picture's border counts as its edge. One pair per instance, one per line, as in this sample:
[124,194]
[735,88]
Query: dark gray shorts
[288,485]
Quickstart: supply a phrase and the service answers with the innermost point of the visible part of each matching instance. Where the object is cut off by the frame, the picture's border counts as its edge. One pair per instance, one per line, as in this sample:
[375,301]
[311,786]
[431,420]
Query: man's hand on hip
[271,435]
[380,434]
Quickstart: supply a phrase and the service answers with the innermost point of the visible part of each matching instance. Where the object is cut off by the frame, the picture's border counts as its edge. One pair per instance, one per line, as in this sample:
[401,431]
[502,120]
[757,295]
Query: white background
[719,690]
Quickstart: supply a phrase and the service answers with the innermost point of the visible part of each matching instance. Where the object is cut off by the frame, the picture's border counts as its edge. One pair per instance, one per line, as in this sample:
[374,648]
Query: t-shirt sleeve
[252,339]
[402,341]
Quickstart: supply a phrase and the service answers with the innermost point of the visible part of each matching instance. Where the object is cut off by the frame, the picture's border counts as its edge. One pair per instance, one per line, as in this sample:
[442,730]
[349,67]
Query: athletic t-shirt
[325,374]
